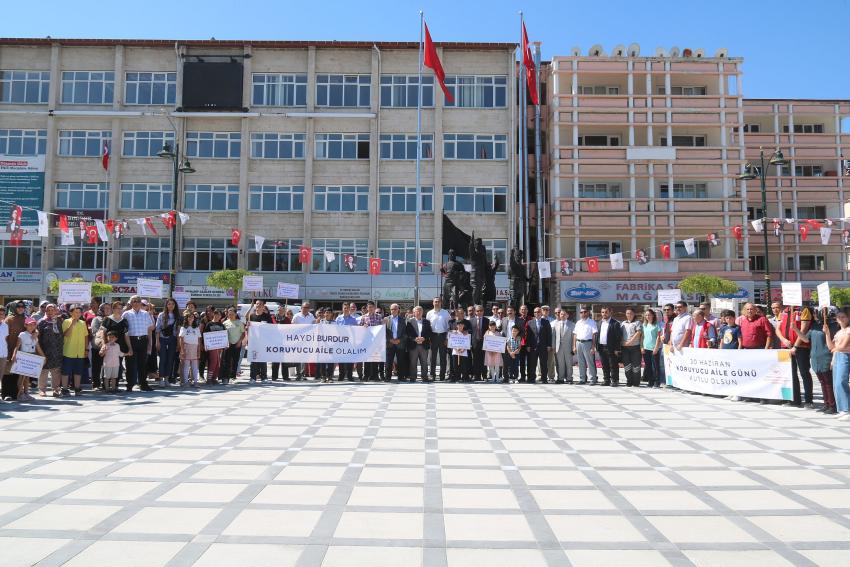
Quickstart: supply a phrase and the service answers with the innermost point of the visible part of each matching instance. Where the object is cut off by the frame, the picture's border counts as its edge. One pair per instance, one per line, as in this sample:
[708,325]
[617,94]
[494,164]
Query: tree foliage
[838,296]
[97,289]
[227,279]
[707,285]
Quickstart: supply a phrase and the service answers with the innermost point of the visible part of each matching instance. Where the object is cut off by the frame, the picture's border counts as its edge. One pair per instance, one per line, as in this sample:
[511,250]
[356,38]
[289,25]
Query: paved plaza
[426,474]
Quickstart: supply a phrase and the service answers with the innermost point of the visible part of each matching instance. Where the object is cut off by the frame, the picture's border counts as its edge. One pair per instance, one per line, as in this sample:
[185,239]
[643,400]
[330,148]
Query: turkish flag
[738,232]
[592,264]
[814,224]
[374,266]
[305,254]
[804,232]
[528,61]
[110,225]
[665,250]
[432,60]
[104,157]
[169,219]
[63,223]
[16,237]
[149,224]
[91,234]
[235,236]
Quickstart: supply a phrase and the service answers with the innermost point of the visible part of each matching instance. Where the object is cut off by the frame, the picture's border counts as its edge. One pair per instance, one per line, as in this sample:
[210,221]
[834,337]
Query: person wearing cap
[42,311]
[27,343]
[75,349]
[15,323]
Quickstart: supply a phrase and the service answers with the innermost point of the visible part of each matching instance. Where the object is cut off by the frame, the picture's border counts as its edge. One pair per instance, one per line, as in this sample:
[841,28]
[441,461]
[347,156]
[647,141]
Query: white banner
[494,343]
[287,290]
[28,364]
[792,294]
[823,295]
[215,340]
[316,343]
[252,283]
[750,373]
[666,296]
[75,292]
[149,288]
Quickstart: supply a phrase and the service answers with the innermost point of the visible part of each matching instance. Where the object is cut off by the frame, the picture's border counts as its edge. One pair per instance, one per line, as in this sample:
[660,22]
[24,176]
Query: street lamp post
[178,167]
[750,173]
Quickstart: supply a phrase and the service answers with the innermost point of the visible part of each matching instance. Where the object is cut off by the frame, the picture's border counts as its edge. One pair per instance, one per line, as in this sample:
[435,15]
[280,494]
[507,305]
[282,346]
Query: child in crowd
[111,354]
[28,343]
[514,347]
[493,360]
[460,358]
[730,332]
[214,356]
[189,349]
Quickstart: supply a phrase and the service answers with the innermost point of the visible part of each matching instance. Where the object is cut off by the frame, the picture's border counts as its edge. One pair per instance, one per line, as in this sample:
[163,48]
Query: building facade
[318,150]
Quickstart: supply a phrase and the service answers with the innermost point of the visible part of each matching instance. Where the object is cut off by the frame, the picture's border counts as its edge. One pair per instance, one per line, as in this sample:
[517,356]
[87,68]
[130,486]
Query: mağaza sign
[628,291]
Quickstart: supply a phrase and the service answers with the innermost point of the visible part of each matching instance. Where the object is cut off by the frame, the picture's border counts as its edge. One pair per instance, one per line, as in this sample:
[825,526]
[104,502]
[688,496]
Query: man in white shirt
[680,331]
[439,319]
[303,317]
[562,346]
[583,337]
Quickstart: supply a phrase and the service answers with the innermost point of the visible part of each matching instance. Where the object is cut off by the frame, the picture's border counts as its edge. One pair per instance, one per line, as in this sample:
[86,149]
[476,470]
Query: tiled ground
[436,475]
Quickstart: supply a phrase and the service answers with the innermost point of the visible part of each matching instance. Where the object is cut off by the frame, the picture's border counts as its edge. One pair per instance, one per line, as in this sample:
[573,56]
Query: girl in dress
[493,360]
[190,349]
[28,343]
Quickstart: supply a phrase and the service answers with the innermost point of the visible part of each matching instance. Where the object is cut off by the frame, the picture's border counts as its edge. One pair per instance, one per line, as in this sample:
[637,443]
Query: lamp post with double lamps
[179,166]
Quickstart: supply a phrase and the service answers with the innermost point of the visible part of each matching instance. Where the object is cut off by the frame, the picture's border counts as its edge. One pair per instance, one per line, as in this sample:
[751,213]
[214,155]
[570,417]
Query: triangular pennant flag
[592,264]
[63,223]
[329,256]
[690,246]
[91,234]
[825,233]
[184,218]
[149,224]
[616,261]
[641,256]
[758,225]
[566,268]
[665,250]
[713,240]
[67,238]
[305,254]
[43,226]
[258,242]
[235,236]
[142,225]
[804,231]
[374,266]
[349,261]
[398,263]
[169,220]
[101,230]
[738,232]
[544,270]
[16,237]
[790,221]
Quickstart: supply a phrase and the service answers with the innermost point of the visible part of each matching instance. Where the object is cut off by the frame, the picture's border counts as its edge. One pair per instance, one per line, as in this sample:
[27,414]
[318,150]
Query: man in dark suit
[418,343]
[538,343]
[396,328]
[609,342]
[479,325]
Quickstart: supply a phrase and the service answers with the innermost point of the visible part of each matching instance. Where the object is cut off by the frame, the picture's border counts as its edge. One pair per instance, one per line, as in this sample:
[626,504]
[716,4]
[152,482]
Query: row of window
[614,191]
[615,90]
[808,263]
[267,89]
[604,248]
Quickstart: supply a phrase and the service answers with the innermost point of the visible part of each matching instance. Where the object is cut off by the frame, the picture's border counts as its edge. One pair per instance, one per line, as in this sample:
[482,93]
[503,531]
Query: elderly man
[396,330]
[562,346]
[584,341]
[703,333]
[756,331]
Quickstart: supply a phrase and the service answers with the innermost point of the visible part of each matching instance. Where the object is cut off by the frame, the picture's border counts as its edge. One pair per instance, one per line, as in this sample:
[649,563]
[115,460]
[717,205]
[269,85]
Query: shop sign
[20,276]
[630,291]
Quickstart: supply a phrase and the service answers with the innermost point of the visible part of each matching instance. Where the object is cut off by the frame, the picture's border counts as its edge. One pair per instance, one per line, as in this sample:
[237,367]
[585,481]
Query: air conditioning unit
[596,51]
[634,50]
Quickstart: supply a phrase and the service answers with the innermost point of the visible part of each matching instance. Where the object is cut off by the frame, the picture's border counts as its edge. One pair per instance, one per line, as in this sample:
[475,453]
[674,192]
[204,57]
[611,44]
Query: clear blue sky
[791,48]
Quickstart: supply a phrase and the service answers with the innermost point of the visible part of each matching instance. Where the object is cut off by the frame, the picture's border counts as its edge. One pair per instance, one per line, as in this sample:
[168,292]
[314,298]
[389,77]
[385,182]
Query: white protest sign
[182,298]
[215,340]
[28,364]
[75,292]
[149,287]
[288,290]
[459,340]
[252,283]
[823,295]
[792,294]
[316,343]
[666,296]
[494,343]
[544,269]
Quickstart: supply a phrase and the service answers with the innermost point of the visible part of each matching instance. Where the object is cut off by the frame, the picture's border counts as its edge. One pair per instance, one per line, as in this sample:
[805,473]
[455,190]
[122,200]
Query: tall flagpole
[538,182]
[418,157]
[525,224]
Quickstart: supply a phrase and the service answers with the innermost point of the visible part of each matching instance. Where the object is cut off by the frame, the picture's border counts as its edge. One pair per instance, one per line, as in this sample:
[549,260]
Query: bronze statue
[453,285]
[517,278]
[478,275]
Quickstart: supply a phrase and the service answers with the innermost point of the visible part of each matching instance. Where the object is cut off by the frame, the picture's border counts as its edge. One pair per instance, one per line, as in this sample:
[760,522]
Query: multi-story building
[646,152]
[306,144]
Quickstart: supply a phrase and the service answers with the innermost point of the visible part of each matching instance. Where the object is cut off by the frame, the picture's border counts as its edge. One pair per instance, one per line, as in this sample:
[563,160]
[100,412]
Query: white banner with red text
[316,343]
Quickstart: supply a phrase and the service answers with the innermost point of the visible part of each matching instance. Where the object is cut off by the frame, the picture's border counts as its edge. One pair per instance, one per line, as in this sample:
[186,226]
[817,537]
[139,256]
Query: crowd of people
[106,344]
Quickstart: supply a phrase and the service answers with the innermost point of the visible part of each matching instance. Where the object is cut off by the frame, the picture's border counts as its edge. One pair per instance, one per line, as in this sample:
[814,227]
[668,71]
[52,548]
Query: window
[399,256]
[684,191]
[475,146]
[274,256]
[80,256]
[88,87]
[808,263]
[598,140]
[808,170]
[208,254]
[150,88]
[273,145]
[477,91]
[475,199]
[805,129]
[752,128]
[343,90]
[23,142]
[357,248]
[218,145]
[144,253]
[703,250]
[81,196]
[212,197]
[83,143]
[598,248]
[403,146]
[813,212]
[276,89]
[757,263]
[27,255]
[597,90]
[342,146]
[599,190]
[754,213]
[24,87]
[403,199]
[684,91]
[497,249]
[145,144]
[280,198]
[685,141]
[402,91]
[340,198]
[147,196]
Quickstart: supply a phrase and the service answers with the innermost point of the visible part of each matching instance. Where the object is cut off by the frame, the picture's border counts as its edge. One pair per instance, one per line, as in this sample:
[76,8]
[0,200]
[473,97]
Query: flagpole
[105,215]
[418,158]
[538,182]
[526,222]
[521,220]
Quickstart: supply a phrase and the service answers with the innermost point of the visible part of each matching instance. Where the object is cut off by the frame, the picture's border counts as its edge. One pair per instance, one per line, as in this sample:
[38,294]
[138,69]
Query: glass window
[475,199]
[475,146]
[83,143]
[341,198]
[477,91]
[805,128]
[144,253]
[88,87]
[757,263]
[808,171]
[403,146]
[274,145]
[208,254]
[808,263]
[684,141]
[274,256]
[211,197]
[598,248]
[146,196]
[599,140]
[150,88]
[703,250]
[217,145]
[343,90]
[811,212]
[684,191]
[81,196]
[80,256]
[342,146]
[23,142]
[356,250]
[24,87]
[26,255]
[145,144]
[402,91]
[276,198]
[403,199]
[684,91]
[277,89]
[600,190]
[497,250]
[399,256]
